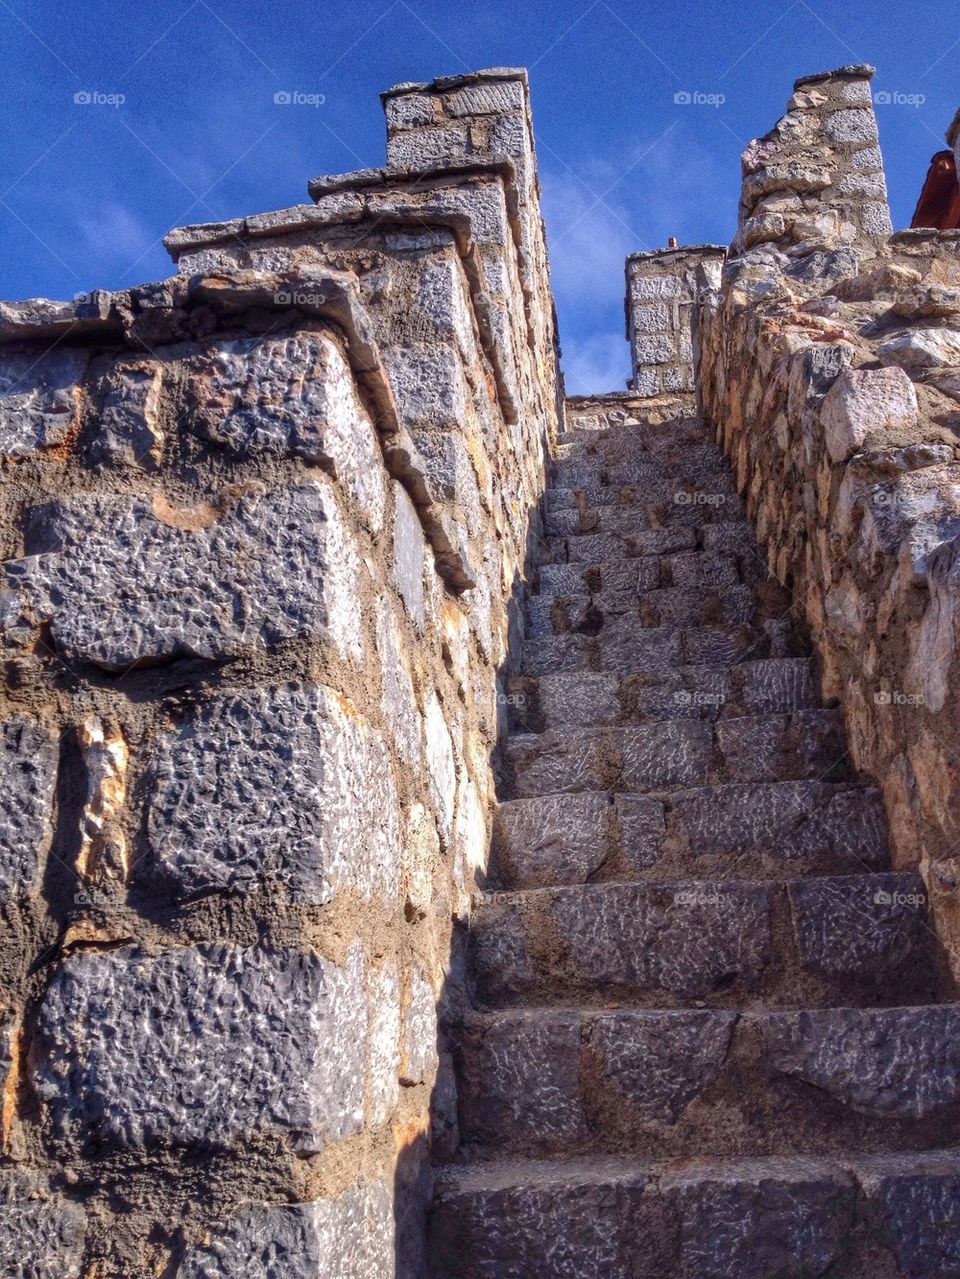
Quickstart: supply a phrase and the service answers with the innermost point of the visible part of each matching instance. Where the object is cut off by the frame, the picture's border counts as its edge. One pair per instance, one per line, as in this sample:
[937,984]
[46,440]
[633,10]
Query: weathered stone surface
[428,385]
[409,552]
[39,399]
[578,700]
[419,1043]
[288,784]
[203,1047]
[129,430]
[441,763]
[398,700]
[864,401]
[28,770]
[775,1218]
[125,580]
[350,1237]
[916,1203]
[384,987]
[674,753]
[922,348]
[858,926]
[658,1062]
[41,1234]
[289,396]
[901,1063]
[554,839]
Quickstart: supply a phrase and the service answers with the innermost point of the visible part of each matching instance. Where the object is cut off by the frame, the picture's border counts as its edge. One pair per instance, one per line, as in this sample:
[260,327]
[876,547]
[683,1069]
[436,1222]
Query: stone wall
[664,290]
[831,366]
[264,527]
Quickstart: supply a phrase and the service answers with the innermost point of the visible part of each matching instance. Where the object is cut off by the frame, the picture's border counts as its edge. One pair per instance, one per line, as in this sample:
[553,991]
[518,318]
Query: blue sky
[91,187]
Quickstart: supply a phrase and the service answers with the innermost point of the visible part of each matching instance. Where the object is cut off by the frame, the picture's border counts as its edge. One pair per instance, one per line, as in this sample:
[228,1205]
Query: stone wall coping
[700,249]
[953,132]
[442,84]
[851,71]
[297,216]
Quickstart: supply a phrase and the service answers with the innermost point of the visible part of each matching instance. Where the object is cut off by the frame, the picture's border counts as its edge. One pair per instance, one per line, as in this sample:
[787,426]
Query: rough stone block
[288,784]
[428,385]
[673,753]
[553,839]
[891,1063]
[129,432]
[862,402]
[916,1204]
[126,580]
[290,396]
[28,772]
[398,700]
[203,1047]
[859,926]
[550,762]
[409,552]
[573,701]
[41,1234]
[349,1237]
[39,399]
[419,1042]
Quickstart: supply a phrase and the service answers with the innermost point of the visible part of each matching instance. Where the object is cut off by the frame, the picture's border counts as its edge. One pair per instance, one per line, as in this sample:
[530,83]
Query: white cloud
[598,363]
[116,234]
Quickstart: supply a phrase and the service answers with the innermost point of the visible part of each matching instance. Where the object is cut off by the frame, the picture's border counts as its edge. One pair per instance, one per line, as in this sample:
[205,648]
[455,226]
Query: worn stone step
[676,754]
[733,537]
[624,647]
[673,606]
[852,1216]
[655,486]
[658,506]
[595,698]
[766,830]
[545,1082]
[837,940]
[688,570]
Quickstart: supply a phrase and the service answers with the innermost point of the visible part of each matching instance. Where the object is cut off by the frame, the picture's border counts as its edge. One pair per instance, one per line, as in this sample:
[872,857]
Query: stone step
[707,570]
[852,1216]
[662,506]
[731,537]
[656,487]
[765,830]
[545,1082]
[674,606]
[595,698]
[838,940]
[676,754]
[623,647]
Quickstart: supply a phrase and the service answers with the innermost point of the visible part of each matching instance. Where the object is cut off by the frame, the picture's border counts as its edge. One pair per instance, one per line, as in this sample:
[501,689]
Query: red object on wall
[939,203]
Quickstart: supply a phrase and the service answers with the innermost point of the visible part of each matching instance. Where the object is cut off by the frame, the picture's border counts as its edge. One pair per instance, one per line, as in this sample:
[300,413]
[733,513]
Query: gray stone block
[349,1237]
[28,771]
[553,839]
[289,396]
[409,552]
[203,1047]
[41,1234]
[123,580]
[890,1063]
[859,926]
[39,399]
[288,784]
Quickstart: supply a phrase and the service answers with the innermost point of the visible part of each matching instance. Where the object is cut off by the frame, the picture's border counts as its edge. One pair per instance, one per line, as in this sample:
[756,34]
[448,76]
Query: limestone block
[409,552]
[203,1047]
[41,1234]
[28,771]
[419,148]
[650,318]
[655,286]
[409,110]
[419,1043]
[125,580]
[428,385]
[129,432]
[398,699]
[288,784]
[922,348]
[864,401]
[384,1043]
[349,1237]
[39,399]
[491,98]
[290,396]
[653,348]
[899,1063]
[441,765]
[854,125]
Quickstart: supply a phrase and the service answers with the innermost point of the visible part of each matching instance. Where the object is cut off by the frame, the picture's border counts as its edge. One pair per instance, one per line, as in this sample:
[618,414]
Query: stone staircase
[708,1035]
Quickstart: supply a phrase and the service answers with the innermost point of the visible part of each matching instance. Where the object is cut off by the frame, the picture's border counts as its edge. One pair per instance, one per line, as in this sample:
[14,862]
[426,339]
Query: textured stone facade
[265,528]
[831,365]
